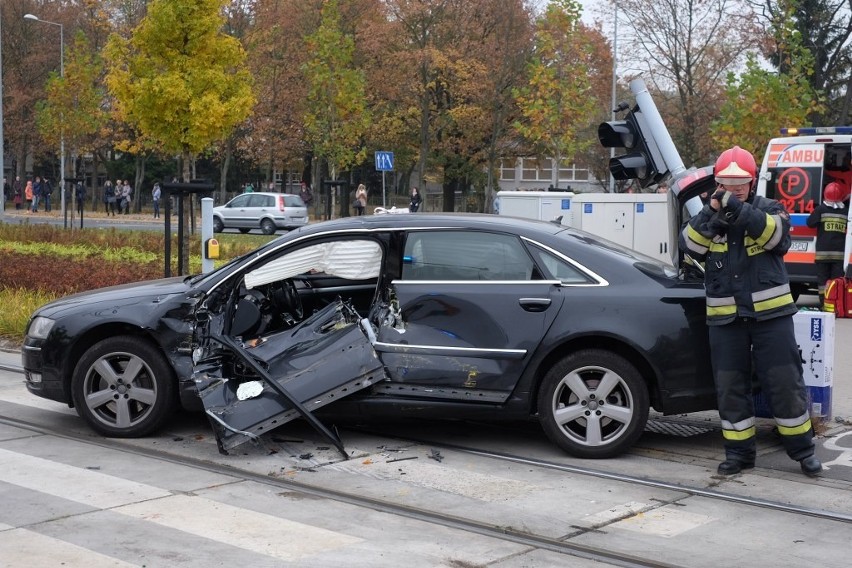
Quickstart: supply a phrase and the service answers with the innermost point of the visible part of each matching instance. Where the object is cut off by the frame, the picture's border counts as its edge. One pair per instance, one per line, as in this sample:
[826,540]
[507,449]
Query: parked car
[432,315]
[265,211]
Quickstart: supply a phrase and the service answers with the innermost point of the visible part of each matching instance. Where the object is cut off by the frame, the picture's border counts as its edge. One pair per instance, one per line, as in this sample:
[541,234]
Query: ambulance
[795,169]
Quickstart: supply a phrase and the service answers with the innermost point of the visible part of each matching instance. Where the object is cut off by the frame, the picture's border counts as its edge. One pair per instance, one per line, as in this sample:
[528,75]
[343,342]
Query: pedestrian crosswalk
[69,503]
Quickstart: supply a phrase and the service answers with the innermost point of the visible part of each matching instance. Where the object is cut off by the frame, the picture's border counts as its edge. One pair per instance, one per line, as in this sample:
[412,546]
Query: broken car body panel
[325,357]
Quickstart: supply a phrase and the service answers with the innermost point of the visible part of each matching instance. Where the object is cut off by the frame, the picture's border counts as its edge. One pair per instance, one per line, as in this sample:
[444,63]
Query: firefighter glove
[729,203]
[717,225]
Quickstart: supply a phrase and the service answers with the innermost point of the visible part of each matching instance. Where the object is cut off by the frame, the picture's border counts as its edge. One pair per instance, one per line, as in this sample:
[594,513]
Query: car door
[235,212]
[253,376]
[464,317]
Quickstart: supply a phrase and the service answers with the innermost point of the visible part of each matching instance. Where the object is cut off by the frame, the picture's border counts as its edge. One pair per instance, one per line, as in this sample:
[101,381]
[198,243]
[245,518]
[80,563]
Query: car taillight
[281,203]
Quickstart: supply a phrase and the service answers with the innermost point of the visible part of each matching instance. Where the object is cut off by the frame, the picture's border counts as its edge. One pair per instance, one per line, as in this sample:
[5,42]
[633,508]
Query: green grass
[25,241]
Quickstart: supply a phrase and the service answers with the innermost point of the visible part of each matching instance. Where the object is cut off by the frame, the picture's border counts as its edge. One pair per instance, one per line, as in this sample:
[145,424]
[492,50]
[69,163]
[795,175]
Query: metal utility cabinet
[637,221]
[541,205]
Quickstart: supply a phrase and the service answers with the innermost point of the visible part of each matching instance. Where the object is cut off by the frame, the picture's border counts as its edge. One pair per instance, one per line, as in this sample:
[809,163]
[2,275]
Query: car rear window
[293,201]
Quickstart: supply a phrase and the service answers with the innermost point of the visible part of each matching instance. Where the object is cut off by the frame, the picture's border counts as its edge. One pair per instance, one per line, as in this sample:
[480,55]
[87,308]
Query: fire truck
[795,169]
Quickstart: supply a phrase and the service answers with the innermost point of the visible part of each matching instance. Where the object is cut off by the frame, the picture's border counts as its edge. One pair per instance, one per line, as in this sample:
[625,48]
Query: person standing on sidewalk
[36,193]
[18,192]
[360,203]
[108,198]
[46,192]
[28,194]
[741,238]
[155,197]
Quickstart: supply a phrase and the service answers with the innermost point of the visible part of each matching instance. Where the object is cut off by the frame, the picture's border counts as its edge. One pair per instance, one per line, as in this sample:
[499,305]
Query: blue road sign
[384,161]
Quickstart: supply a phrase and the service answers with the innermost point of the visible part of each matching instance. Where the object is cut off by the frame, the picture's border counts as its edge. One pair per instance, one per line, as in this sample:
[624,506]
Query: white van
[794,171]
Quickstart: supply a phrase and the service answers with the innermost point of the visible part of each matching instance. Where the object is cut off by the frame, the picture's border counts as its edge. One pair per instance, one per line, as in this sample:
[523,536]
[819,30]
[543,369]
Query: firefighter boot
[732,466]
[811,466]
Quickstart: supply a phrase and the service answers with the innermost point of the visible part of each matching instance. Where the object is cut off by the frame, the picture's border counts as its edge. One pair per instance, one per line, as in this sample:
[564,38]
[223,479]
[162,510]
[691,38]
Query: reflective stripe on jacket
[743,260]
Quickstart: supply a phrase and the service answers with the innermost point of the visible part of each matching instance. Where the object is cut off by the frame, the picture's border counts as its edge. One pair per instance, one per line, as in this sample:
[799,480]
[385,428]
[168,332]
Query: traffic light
[643,162]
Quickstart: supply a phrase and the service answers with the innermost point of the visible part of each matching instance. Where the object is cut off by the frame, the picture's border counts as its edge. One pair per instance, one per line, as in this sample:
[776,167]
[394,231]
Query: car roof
[434,220]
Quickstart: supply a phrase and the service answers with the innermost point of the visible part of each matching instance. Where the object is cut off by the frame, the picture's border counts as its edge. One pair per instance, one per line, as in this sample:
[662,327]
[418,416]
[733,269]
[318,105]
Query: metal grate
[681,429]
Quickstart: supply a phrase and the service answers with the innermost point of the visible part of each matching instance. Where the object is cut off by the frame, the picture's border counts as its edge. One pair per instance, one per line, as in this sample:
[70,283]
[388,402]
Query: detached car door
[262,361]
[465,315]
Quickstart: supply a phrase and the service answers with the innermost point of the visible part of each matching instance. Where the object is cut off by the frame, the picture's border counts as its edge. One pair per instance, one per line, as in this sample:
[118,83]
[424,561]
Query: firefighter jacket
[743,257]
[831,231]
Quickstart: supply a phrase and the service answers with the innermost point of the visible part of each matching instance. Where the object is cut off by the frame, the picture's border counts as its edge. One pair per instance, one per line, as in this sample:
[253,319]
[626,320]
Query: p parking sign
[384,161]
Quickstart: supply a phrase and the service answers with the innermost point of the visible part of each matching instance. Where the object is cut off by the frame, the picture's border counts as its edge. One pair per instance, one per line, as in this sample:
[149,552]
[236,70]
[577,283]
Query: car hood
[105,298]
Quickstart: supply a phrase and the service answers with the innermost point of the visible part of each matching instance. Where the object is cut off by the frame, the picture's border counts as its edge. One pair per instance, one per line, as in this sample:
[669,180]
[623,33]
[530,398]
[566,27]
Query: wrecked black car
[430,315]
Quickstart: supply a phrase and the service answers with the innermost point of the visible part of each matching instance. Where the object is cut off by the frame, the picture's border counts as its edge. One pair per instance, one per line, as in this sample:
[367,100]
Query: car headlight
[40,327]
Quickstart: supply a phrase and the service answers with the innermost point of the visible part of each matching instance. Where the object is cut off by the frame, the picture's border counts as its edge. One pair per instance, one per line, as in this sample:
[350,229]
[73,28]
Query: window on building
[507,170]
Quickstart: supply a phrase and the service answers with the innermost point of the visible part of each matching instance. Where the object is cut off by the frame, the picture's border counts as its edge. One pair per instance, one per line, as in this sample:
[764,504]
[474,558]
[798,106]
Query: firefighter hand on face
[741,238]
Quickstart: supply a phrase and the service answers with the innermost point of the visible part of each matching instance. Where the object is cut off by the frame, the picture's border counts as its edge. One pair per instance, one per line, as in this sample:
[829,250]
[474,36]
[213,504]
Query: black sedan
[432,315]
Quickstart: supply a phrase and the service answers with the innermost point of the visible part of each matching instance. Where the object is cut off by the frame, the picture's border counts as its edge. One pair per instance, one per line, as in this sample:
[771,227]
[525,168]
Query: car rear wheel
[593,404]
[218,225]
[123,387]
[268,227]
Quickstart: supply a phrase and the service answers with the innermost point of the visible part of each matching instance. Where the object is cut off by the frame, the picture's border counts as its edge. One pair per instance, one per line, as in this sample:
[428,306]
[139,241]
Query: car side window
[465,255]
[256,200]
[556,268]
[240,201]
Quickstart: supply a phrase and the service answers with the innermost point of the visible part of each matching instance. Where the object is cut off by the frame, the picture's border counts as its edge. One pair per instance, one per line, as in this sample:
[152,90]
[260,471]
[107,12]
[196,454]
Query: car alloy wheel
[123,387]
[218,225]
[593,404]
[268,227]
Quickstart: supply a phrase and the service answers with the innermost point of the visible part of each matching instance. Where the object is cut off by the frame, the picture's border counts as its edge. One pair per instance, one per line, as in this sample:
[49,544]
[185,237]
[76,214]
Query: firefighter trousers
[767,348]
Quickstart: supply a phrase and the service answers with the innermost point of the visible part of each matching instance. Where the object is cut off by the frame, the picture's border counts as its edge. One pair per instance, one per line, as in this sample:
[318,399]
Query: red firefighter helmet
[735,167]
[833,192]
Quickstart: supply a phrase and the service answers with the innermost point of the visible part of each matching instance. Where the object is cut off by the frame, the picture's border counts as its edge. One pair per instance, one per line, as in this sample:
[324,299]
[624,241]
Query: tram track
[564,544]
[501,532]
[624,478]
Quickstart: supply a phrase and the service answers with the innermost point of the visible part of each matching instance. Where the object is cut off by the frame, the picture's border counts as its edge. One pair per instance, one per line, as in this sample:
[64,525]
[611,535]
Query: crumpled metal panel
[324,358]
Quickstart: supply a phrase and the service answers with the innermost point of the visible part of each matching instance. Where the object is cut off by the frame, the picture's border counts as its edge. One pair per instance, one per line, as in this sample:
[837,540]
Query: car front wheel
[123,387]
[218,225]
[593,404]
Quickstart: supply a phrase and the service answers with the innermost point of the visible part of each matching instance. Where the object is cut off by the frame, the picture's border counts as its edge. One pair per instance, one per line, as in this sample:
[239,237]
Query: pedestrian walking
[741,238]
[830,219]
[155,198]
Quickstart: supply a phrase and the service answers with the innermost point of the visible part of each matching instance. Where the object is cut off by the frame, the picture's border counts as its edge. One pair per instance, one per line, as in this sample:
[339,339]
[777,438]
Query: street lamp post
[62,119]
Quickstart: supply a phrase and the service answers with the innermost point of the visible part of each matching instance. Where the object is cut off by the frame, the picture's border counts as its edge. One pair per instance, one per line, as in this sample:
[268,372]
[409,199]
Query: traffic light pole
[657,127]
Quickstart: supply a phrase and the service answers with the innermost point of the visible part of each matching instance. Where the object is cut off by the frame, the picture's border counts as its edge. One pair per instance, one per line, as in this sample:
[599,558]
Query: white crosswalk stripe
[256,532]
[21,547]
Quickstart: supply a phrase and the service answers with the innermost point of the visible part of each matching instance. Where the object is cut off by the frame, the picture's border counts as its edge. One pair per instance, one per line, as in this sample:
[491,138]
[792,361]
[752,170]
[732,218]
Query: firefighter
[829,218]
[742,238]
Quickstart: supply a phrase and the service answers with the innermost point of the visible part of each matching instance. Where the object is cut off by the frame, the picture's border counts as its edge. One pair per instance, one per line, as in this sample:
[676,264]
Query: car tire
[218,225]
[571,411]
[268,227]
[244,230]
[118,406]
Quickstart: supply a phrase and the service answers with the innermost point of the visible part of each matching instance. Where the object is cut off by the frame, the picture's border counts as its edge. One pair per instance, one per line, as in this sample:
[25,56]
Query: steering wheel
[287,299]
